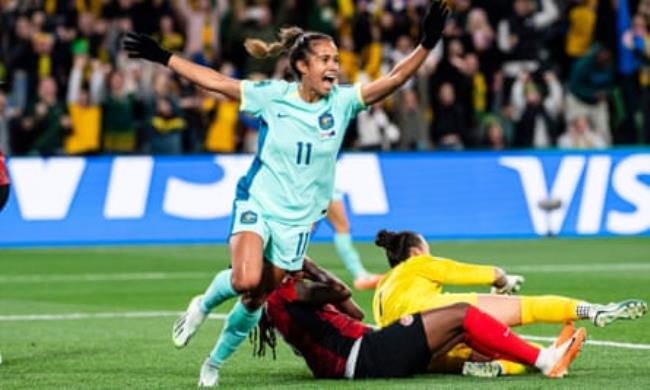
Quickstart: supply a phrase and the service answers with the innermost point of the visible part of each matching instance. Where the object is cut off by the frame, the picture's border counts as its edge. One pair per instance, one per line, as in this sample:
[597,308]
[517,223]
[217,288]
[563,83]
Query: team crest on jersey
[326,121]
[248,218]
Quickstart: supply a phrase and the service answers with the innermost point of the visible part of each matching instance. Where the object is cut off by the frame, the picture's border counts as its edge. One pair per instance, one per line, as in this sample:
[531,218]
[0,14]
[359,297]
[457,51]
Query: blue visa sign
[144,199]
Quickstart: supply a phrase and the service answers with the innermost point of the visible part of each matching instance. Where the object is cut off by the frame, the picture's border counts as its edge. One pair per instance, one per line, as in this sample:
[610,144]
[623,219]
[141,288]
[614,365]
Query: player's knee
[244,283]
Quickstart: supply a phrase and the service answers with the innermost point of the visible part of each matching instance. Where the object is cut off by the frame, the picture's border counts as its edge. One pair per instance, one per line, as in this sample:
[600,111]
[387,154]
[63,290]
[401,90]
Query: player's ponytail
[397,245]
[260,49]
[293,40]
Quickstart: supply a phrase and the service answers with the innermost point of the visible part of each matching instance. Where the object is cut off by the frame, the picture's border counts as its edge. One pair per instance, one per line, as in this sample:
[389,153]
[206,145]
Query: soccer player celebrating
[291,179]
[414,284]
[323,324]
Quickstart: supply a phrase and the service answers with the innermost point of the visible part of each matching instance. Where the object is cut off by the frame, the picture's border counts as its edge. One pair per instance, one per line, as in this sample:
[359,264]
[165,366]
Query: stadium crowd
[508,74]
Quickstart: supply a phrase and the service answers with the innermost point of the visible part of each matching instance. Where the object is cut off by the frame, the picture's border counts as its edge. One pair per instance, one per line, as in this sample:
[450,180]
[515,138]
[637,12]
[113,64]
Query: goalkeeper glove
[433,23]
[513,284]
[142,46]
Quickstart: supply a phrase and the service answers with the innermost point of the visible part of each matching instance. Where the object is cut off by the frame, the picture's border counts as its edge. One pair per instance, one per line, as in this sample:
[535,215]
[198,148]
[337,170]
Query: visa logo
[626,180]
[128,193]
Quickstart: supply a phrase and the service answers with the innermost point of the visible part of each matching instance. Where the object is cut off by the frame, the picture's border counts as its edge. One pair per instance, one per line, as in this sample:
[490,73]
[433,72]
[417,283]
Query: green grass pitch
[117,353]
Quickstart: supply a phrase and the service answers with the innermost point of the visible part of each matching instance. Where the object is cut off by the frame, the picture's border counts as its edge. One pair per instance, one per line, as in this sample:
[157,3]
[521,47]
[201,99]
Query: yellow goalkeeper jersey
[416,284]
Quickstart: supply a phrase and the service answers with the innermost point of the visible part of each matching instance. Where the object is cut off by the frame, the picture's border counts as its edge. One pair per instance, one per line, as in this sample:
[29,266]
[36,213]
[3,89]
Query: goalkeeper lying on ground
[322,323]
[414,284]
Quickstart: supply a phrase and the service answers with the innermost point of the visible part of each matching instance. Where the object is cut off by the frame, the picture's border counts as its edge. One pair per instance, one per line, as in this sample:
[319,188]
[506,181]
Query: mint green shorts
[284,245]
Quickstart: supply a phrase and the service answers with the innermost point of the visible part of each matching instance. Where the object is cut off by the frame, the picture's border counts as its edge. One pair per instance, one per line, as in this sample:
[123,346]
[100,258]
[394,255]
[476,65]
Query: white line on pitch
[88,316]
[136,276]
[107,277]
[585,268]
[602,343]
[222,316]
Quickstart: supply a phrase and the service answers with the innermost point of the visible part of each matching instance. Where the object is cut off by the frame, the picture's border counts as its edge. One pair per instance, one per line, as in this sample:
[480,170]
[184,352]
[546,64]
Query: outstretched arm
[142,46]
[432,26]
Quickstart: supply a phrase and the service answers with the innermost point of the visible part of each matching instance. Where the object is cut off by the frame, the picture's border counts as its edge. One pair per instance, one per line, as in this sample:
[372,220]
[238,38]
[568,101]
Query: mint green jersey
[292,174]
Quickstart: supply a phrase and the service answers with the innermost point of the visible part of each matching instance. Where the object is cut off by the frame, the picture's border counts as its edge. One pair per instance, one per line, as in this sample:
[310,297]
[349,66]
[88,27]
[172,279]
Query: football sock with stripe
[549,308]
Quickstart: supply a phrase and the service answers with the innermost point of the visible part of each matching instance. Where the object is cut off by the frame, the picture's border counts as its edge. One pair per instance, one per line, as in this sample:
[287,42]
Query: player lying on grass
[322,323]
[415,282]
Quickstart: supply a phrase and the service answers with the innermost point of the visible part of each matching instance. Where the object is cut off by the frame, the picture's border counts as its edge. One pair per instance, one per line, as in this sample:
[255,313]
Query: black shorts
[398,350]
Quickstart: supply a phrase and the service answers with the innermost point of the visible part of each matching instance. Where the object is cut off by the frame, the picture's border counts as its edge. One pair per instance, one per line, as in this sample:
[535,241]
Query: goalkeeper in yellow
[416,279]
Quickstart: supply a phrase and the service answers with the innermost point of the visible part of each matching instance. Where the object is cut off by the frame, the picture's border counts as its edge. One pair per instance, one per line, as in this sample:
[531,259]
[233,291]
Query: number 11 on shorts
[303,239]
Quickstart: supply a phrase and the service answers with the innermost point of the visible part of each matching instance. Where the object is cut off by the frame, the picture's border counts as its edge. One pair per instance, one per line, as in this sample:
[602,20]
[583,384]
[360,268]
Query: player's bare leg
[246,254]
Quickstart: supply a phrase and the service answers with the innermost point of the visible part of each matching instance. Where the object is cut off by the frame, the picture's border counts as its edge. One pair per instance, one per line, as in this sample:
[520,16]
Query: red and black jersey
[4,177]
[322,334]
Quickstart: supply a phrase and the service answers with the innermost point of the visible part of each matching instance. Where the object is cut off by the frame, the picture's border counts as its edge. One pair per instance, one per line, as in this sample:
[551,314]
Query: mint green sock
[238,325]
[349,255]
[219,291]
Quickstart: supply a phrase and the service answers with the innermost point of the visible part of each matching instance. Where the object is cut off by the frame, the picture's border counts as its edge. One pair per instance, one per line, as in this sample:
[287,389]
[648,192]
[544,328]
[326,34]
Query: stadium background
[564,82]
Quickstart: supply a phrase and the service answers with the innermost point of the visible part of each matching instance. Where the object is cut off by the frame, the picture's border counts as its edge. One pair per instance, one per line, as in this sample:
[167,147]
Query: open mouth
[329,79]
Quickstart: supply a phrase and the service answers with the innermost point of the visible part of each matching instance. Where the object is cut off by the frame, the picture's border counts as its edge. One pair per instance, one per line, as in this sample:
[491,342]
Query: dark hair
[262,336]
[292,39]
[397,245]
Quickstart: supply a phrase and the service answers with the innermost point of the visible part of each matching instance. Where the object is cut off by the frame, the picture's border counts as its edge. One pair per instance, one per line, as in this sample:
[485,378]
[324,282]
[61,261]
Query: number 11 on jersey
[307,153]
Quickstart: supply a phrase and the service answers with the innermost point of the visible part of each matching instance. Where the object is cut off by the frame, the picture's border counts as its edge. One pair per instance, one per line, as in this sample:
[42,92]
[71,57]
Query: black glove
[141,46]
[433,23]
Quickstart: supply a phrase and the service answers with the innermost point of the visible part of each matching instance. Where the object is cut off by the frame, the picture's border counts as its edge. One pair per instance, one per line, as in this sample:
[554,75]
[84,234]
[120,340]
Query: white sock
[548,357]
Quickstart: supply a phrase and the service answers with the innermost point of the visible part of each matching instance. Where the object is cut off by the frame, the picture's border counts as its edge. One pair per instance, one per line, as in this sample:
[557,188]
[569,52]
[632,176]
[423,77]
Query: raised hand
[142,46]
[433,23]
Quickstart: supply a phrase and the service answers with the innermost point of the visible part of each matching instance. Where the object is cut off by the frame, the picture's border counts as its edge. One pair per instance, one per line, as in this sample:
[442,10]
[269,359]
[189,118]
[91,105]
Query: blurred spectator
[376,131]
[493,135]
[166,126]
[449,123]
[323,16]
[202,28]
[410,119]
[84,106]
[5,118]
[222,130]
[168,36]
[119,131]
[521,35]
[481,40]
[633,35]
[48,120]
[589,86]
[579,135]
[580,33]
[535,116]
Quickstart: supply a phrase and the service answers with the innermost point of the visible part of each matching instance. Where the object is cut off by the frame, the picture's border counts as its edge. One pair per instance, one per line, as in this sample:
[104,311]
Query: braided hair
[262,336]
